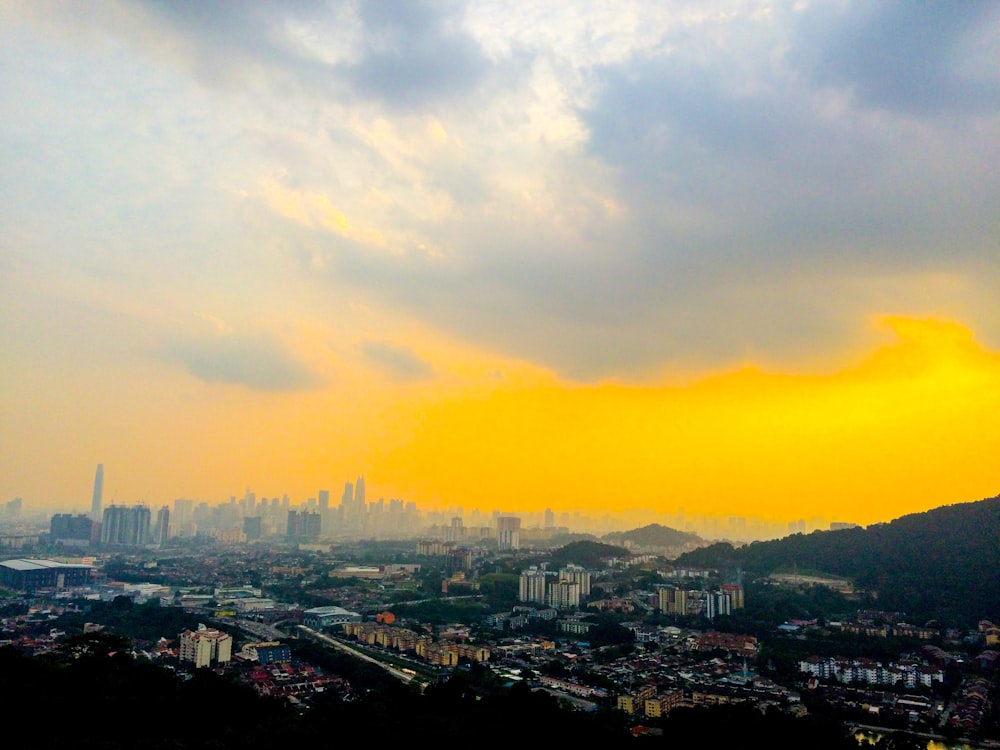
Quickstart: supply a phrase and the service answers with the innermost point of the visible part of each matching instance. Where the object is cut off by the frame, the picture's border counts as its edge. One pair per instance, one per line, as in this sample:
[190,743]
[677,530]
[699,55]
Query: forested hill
[586,553]
[654,535]
[942,564]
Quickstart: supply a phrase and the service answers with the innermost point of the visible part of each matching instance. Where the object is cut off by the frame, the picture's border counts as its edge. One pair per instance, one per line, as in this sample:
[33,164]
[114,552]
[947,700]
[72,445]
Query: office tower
[359,493]
[324,500]
[550,518]
[248,504]
[508,533]
[303,525]
[253,528]
[96,512]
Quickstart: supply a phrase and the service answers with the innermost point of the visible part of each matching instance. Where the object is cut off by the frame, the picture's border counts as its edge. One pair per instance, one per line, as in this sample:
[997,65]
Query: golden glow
[909,427]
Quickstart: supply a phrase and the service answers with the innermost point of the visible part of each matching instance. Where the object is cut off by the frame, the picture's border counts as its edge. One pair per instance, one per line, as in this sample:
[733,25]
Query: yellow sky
[907,427]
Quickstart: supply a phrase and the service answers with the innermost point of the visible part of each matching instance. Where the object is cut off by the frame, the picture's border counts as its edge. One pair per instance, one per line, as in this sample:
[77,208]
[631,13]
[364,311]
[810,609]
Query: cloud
[401,55]
[257,362]
[399,361]
[601,191]
[924,59]
[415,53]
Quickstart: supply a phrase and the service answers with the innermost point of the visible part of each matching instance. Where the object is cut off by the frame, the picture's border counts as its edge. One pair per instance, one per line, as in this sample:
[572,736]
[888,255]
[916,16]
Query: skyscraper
[96,511]
[508,533]
[161,531]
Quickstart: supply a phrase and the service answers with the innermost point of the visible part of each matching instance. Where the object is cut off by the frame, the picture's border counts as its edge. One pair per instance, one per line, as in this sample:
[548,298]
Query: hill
[938,565]
[586,553]
[658,538]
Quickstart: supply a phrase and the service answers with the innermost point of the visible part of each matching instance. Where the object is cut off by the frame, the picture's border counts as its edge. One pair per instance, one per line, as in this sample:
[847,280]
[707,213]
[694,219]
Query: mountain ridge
[941,564]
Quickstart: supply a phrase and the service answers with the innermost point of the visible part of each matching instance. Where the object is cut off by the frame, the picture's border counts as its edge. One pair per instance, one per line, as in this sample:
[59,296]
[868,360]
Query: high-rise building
[65,528]
[12,509]
[455,532]
[303,525]
[531,587]
[96,511]
[577,574]
[161,531]
[717,603]
[673,601]
[508,533]
[125,525]
[253,528]
[735,592]
[206,647]
[562,594]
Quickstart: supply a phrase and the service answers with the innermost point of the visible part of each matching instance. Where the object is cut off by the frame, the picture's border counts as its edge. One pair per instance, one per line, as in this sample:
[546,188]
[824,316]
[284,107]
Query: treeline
[139,622]
[94,696]
[934,566]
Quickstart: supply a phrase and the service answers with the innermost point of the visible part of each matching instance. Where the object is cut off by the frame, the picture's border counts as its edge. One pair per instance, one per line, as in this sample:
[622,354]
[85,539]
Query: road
[347,648]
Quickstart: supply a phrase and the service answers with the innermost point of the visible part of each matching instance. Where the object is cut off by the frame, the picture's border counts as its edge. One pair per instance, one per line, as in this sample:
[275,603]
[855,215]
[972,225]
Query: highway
[347,648]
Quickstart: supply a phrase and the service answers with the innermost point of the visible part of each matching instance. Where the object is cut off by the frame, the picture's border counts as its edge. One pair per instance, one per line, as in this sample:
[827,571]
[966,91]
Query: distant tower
[161,531]
[96,511]
[508,533]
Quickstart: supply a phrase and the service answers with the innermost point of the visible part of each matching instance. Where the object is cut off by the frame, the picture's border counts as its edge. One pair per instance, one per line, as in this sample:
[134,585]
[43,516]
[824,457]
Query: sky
[735,258]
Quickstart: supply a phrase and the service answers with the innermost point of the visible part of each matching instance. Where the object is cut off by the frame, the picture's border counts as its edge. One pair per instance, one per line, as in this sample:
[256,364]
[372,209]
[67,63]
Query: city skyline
[345,516]
[739,260]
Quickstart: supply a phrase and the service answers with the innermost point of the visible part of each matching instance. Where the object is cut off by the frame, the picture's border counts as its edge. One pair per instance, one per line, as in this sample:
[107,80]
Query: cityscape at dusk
[679,260]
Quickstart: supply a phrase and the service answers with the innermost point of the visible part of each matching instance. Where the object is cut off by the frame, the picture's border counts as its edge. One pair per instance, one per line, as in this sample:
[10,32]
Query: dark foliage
[586,553]
[742,725]
[113,702]
[939,565]
[141,622]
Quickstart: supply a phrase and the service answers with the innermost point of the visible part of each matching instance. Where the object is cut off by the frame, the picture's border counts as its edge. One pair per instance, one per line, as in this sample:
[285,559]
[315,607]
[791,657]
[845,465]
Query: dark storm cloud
[398,361]
[920,58]
[256,362]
